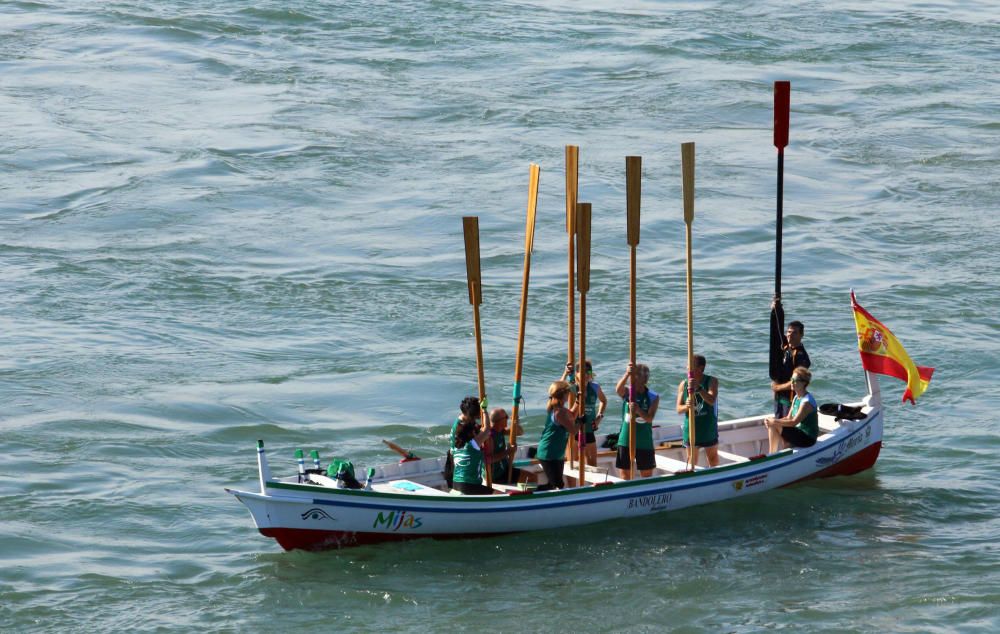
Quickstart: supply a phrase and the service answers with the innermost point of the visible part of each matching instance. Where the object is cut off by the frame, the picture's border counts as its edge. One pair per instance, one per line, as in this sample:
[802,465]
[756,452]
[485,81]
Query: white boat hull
[307,516]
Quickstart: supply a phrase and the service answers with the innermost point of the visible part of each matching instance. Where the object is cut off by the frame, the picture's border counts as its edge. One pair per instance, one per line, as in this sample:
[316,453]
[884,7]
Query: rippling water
[220,223]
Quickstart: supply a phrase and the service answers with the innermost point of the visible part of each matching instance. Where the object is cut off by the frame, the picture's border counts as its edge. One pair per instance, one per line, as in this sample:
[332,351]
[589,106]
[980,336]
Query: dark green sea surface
[224,221]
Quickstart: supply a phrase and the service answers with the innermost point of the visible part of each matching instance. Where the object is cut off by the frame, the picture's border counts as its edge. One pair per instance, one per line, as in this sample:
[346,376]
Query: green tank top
[643,430]
[552,445]
[706,422]
[590,403]
[468,464]
[499,447]
[809,424]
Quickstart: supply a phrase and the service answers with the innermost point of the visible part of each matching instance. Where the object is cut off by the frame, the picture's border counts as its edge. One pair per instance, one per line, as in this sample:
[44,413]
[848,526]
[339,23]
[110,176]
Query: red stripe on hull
[861,461]
[305,539]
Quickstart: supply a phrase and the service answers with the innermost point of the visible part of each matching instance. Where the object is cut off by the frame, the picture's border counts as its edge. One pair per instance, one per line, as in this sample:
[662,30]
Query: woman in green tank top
[801,427]
[470,411]
[593,407]
[559,423]
[706,421]
[646,402]
[468,477]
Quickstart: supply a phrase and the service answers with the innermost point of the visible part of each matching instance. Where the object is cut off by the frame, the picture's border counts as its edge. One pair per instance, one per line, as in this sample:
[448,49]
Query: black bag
[611,442]
[449,469]
[842,412]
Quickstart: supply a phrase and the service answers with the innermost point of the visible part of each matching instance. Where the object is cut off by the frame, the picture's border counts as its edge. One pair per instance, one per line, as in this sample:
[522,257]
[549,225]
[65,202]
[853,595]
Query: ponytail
[557,394]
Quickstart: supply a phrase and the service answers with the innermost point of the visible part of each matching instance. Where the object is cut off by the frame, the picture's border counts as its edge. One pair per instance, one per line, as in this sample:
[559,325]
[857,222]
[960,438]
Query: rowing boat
[410,499]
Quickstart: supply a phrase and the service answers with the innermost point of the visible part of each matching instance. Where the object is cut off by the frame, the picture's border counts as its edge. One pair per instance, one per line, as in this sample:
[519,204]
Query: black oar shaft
[778,223]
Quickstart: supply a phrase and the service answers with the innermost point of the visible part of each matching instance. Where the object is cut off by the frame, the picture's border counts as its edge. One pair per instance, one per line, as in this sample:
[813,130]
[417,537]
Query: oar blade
[633,195]
[687,180]
[782,106]
[572,186]
[470,226]
[583,212]
[529,230]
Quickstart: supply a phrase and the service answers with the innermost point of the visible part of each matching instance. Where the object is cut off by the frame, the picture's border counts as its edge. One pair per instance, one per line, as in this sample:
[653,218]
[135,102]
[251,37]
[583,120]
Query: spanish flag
[882,353]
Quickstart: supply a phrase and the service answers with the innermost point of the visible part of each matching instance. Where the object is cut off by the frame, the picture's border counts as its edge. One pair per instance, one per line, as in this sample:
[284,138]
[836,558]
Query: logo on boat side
[317,514]
[843,448]
[838,453]
[396,520]
[739,485]
[652,502]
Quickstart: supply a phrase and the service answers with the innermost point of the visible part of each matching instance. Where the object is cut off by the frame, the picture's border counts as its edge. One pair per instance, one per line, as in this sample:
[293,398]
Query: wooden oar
[572,191]
[529,241]
[583,212]
[782,102]
[687,181]
[633,196]
[406,453]
[470,226]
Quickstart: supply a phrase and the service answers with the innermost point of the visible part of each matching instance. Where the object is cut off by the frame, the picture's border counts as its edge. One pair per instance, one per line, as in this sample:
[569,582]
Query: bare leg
[773,439]
[712,453]
[591,452]
[689,455]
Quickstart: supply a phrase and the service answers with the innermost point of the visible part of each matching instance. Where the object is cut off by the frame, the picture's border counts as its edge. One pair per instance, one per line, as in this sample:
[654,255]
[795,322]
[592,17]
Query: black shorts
[645,459]
[513,477]
[553,473]
[590,439]
[712,443]
[796,437]
[469,488]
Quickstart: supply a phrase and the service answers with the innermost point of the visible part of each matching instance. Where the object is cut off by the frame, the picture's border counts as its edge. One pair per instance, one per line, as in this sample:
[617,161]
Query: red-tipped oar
[687,181]
[633,196]
[583,212]
[529,241]
[470,226]
[782,105]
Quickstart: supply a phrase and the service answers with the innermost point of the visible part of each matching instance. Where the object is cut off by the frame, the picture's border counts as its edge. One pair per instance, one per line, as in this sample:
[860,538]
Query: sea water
[227,221]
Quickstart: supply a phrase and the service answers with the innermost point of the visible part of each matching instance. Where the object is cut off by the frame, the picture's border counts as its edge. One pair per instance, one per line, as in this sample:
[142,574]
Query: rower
[706,418]
[594,405]
[502,454]
[793,355]
[646,403]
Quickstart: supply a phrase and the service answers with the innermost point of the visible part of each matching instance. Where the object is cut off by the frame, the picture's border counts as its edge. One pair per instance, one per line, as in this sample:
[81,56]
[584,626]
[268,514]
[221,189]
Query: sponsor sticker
[747,483]
[655,502]
[397,520]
